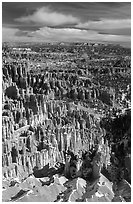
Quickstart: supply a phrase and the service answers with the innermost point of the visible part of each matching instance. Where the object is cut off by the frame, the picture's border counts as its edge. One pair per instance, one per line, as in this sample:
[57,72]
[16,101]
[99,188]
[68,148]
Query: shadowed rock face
[12,92]
[54,140]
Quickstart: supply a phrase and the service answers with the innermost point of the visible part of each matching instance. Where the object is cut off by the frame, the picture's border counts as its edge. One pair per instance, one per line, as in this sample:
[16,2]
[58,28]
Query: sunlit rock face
[60,189]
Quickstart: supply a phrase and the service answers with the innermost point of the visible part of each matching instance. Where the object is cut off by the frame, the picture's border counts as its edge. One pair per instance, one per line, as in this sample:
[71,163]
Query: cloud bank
[102,24]
[46,34]
[47,17]
[68,22]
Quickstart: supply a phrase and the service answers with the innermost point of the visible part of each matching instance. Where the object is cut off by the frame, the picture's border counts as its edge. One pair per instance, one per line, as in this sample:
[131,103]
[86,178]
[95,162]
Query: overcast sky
[67,22]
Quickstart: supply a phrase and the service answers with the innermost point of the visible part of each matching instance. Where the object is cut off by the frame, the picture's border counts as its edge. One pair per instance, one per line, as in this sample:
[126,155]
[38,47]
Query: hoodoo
[66,130]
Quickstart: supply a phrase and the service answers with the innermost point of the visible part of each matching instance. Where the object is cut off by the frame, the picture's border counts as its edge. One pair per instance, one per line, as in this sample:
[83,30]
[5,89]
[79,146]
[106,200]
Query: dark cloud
[83,10]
